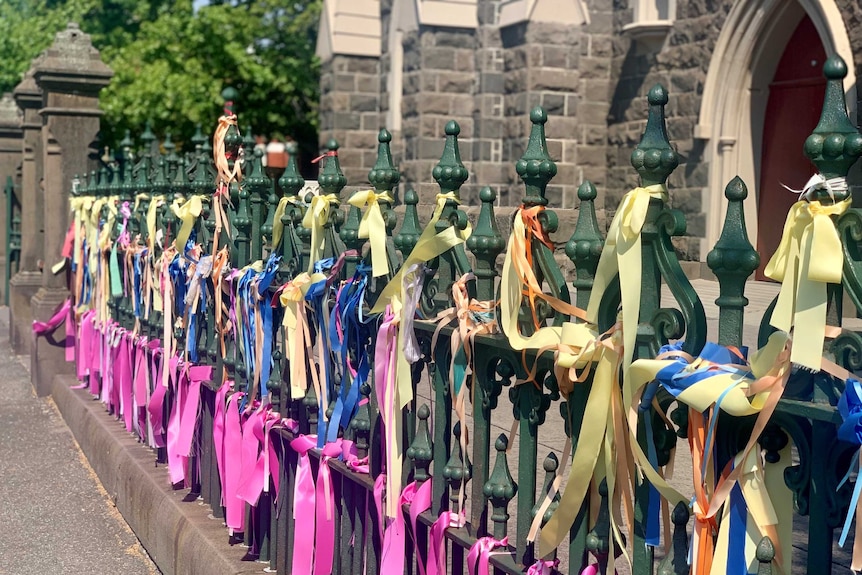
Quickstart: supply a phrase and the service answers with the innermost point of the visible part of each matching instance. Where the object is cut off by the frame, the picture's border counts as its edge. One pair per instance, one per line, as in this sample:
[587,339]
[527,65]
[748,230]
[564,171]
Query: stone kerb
[70,74]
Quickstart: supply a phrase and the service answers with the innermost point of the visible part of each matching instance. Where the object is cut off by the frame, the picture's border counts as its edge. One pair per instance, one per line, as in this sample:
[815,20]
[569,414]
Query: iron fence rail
[501,501]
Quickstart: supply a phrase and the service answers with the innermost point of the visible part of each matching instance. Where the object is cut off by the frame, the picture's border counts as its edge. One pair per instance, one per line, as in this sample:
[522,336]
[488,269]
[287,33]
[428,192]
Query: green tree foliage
[171,64]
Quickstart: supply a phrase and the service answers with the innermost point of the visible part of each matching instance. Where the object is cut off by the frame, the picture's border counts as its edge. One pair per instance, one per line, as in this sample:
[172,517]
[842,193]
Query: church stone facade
[412,65]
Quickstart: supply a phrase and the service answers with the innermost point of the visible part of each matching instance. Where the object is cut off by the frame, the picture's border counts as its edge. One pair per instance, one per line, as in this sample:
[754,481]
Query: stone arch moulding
[746,54]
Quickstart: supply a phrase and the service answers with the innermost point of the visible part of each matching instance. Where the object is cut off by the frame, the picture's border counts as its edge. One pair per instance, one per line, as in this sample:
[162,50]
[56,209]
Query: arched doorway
[792,112]
[744,63]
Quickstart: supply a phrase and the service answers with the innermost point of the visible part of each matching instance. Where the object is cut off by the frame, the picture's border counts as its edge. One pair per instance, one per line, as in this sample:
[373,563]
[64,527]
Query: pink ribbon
[304,495]
[59,317]
[324,546]
[480,554]
[177,381]
[252,466]
[546,567]
[437,545]
[392,552]
[591,570]
[219,431]
[155,407]
[234,506]
[126,382]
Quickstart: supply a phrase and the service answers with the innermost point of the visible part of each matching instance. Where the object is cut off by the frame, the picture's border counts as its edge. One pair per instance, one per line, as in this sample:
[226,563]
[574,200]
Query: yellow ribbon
[622,254]
[187,211]
[315,219]
[140,198]
[770,513]
[292,299]
[373,227]
[277,226]
[429,246]
[152,211]
[809,256]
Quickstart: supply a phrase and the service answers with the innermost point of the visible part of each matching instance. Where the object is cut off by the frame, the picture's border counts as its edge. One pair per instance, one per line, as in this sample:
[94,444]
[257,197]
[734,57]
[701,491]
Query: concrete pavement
[55,517]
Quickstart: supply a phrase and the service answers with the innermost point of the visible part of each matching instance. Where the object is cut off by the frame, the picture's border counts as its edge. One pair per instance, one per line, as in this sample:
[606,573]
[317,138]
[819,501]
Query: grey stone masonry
[70,75]
[10,161]
[350,112]
[438,86]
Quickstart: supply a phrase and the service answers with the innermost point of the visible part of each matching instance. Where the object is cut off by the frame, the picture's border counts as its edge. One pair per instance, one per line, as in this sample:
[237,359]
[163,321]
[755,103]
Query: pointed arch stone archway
[736,92]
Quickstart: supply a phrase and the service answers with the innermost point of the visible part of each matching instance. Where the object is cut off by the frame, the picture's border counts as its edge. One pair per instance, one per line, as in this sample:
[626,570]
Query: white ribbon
[819,182]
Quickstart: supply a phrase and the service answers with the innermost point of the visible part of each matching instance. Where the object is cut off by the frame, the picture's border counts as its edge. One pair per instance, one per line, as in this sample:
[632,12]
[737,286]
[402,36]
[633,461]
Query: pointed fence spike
[450,173]
[536,168]
[486,243]
[420,451]
[733,260]
[500,488]
[835,144]
[585,246]
[410,230]
[332,179]
[654,158]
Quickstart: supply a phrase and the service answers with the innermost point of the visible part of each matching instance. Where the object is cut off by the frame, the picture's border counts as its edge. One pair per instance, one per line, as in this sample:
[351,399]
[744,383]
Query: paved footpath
[55,517]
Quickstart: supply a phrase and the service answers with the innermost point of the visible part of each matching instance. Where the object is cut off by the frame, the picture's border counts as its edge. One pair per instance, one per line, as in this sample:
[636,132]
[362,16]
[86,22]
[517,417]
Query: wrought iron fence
[255,342]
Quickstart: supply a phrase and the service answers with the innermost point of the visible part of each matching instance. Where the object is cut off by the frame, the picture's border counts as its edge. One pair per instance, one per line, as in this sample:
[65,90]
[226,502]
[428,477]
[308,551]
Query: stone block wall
[350,112]
[438,86]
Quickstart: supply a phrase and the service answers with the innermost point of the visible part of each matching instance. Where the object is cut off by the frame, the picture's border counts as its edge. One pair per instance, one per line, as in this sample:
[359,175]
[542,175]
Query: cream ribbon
[373,227]
[315,219]
[809,256]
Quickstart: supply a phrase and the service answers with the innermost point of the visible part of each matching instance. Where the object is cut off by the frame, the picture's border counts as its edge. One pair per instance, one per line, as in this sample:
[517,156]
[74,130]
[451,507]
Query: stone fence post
[70,74]
[10,158]
[24,284]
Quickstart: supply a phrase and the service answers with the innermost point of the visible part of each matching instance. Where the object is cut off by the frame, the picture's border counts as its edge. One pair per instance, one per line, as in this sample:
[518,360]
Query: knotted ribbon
[622,254]
[316,217]
[809,256]
[479,556]
[373,227]
[277,225]
[187,211]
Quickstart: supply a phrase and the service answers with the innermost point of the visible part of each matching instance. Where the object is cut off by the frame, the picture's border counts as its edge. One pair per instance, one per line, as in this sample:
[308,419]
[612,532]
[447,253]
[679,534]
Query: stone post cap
[10,114]
[71,63]
[27,90]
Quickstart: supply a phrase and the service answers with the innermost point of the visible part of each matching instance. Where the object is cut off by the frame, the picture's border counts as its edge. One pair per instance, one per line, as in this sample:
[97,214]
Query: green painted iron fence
[501,481]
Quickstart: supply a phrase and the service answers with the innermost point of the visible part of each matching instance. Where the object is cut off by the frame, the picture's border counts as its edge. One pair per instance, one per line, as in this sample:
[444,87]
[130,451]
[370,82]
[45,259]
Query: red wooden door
[792,112]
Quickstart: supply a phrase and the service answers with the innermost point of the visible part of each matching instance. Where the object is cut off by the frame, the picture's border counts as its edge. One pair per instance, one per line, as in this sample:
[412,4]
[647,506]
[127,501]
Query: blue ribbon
[136,284]
[263,281]
[317,298]
[356,336]
[736,564]
[653,519]
[850,408]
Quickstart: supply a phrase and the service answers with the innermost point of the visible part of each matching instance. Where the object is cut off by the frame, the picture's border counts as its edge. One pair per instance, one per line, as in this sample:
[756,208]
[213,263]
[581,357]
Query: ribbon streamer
[373,227]
[809,257]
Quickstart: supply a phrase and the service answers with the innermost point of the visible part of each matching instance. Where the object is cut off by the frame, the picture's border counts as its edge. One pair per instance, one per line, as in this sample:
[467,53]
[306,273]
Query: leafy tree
[171,63]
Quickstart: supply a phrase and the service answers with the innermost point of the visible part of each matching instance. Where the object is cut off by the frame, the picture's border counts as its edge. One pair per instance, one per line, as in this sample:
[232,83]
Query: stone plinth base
[22,288]
[48,355]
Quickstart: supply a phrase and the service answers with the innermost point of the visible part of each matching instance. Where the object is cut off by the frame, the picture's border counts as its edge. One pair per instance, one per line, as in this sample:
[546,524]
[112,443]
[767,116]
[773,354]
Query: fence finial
[486,243]
[654,158]
[732,260]
[536,168]
[835,144]
[332,179]
[410,231]
[500,488]
[420,451]
[450,172]
[585,246]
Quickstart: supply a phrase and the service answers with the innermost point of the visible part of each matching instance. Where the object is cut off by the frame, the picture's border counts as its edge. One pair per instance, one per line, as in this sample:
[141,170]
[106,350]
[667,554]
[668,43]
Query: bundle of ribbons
[334,344]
